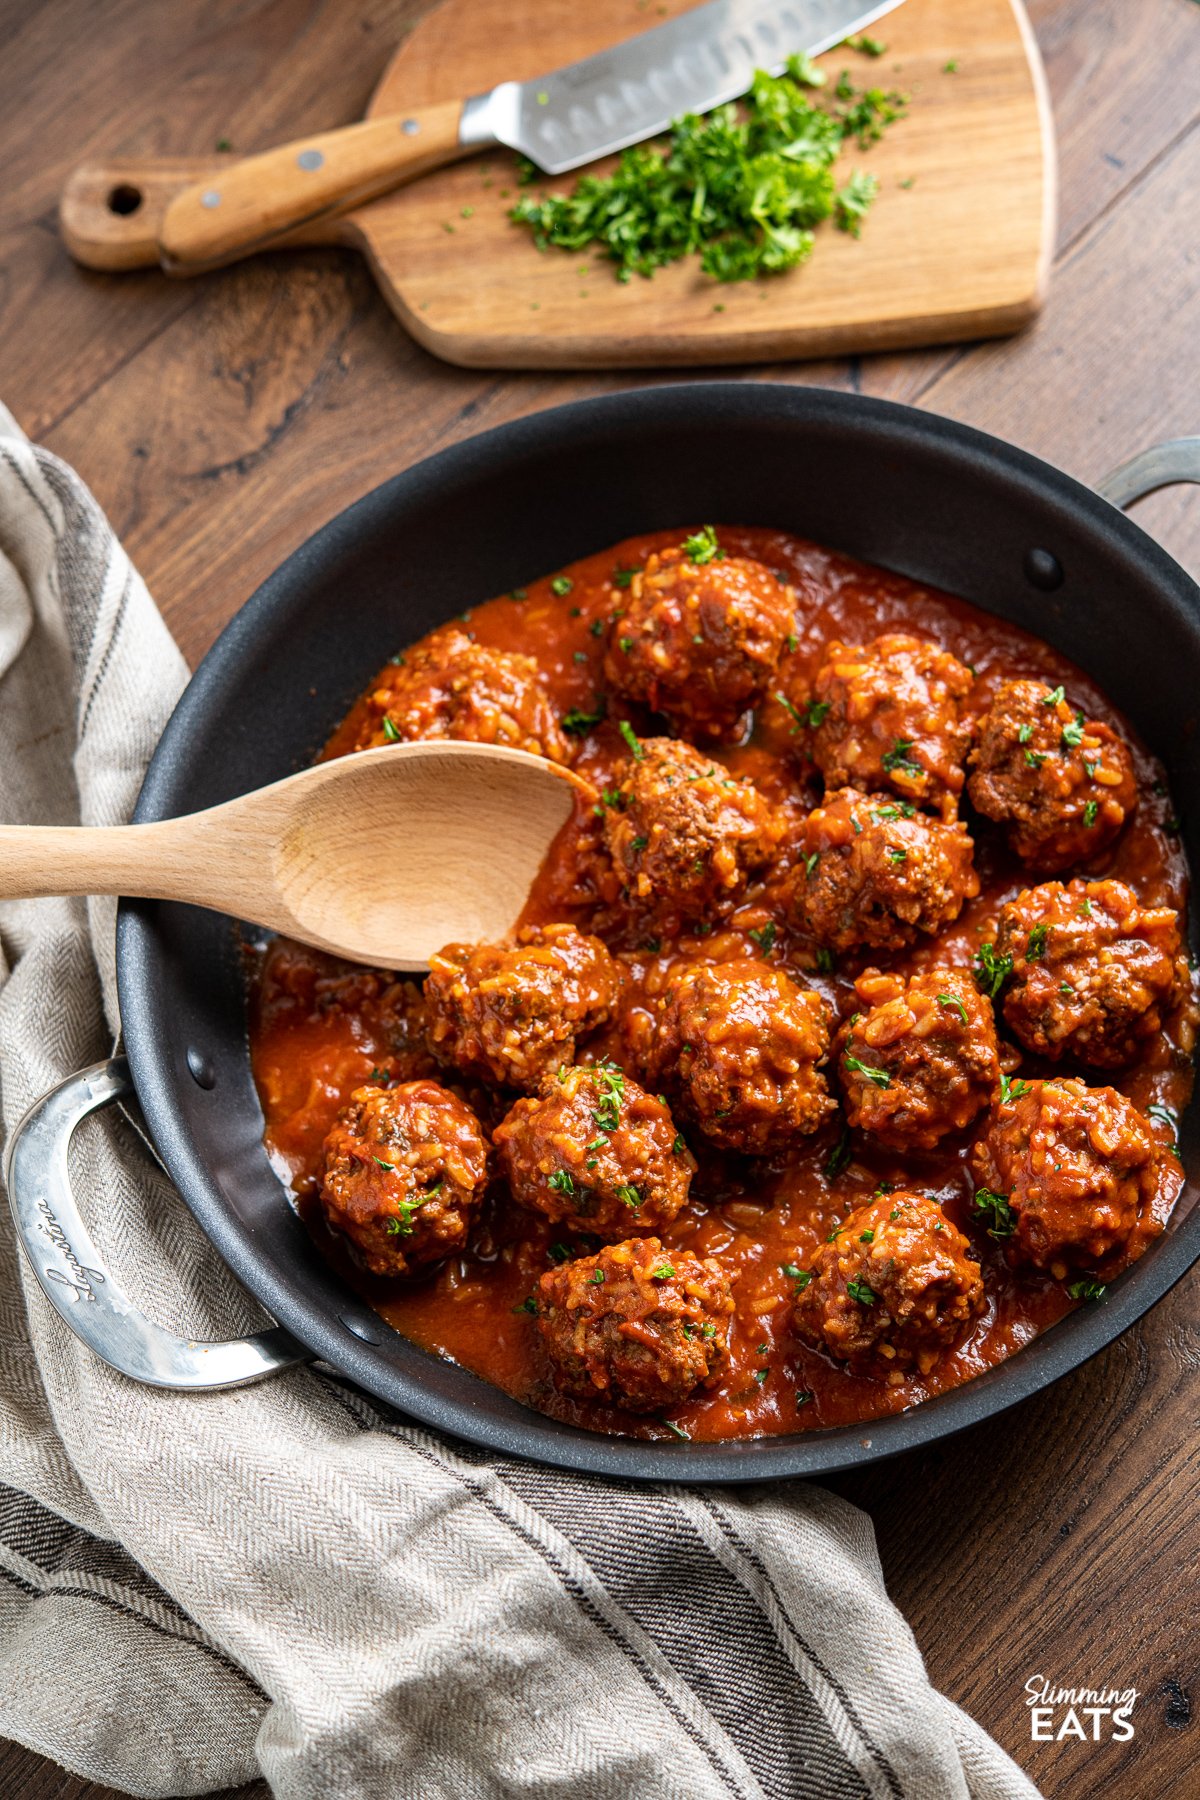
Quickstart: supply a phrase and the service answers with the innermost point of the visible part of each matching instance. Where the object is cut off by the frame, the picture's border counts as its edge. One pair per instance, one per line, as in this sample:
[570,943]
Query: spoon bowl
[380,857]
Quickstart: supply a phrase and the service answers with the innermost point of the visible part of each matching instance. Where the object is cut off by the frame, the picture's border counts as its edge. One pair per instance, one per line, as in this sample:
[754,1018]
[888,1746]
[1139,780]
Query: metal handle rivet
[200,1068]
[1043,570]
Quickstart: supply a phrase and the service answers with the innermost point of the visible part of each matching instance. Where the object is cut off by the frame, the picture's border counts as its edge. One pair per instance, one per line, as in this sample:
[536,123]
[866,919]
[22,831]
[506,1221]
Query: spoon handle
[168,860]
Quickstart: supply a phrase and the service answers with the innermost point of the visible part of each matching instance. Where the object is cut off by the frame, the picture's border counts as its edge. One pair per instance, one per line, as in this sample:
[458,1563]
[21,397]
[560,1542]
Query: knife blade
[692,63]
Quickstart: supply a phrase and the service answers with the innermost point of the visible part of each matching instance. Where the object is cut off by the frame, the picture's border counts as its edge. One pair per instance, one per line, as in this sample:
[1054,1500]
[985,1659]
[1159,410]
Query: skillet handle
[71,1270]
[1161,466]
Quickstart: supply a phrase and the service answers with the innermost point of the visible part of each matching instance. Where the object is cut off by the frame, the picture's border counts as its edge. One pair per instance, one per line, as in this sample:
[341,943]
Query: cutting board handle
[110,213]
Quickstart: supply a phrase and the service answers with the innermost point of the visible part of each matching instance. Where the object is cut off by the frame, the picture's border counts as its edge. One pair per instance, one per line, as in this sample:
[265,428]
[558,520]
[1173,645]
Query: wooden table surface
[221,421]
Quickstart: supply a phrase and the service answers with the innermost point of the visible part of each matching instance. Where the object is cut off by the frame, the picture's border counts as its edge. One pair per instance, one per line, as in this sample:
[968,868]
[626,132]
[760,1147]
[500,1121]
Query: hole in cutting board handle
[125,199]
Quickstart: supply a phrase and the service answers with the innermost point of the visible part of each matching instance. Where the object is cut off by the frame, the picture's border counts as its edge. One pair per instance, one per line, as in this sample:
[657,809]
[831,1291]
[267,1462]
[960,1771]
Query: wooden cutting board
[957,245]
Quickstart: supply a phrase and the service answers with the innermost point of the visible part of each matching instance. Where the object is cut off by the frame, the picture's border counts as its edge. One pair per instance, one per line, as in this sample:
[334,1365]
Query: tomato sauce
[319,1029]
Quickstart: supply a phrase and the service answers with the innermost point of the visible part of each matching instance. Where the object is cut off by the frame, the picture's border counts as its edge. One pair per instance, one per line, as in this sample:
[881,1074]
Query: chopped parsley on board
[742,187]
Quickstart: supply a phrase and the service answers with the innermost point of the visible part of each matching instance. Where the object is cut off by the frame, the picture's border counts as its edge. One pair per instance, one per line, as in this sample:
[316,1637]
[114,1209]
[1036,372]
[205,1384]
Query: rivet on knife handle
[259,199]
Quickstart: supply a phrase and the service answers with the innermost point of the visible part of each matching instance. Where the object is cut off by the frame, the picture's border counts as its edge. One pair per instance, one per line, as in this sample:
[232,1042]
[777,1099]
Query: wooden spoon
[381,857]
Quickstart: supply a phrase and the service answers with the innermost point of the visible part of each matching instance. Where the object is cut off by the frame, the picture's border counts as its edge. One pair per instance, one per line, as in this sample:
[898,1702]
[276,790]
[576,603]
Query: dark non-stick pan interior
[913,492]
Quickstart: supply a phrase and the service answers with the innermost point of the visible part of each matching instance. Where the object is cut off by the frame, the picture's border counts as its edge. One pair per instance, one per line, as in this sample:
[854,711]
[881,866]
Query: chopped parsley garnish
[559,1253]
[869,46]
[639,843]
[595,1278]
[1053,697]
[702,546]
[562,584]
[623,577]
[878,1077]
[896,855]
[1072,734]
[390,1167]
[810,863]
[803,1396]
[389,730]
[991,971]
[954,1001]
[679,1147]
[764,937]
[562,1181]
[530,1306]
[1089,813]
[610,1081]
[838,1157]
[663,1272]
[798,718]
[1087,1289]
[1025,733]
[791,1270]
[629,1196]
[903,809]
[990,1205]
[896,760]
[742,188]
[626,644]
[825,961]
[632,739]
[868,1236]
[1084,909]
[760,1375]
[1035,948]
[1035,758]
[1012,1090]
[860,1291]
[577,722]
[401,1225]
[816,712]
[670,1425]
[597,627]
[1065,988]
[853,202]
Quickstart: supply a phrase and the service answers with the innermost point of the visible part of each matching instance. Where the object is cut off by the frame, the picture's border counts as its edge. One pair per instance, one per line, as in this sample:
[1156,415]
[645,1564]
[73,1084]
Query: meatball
[874,872]
[894,1288]
[1062,785]
[921,1061]
[890,714]
[635,1326]
[405,1168]
[594,1152]
[448,686]
[1093,972]
[511,1013]
[699,636]
[683,833]
[1067,1175]
[743,1044]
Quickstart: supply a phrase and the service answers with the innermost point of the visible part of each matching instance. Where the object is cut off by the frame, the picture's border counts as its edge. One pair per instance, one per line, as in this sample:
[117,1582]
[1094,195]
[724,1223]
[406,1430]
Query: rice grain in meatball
[449,686]
[1066,1177]
[743,1045]
[919,1061]
[1094,973]
[512,1012]
[683,833]
[698,635]
[1060,784]
[873,872]
[894,1289]
[404,1170]
[593,1151]
[636,1325]
[891,714]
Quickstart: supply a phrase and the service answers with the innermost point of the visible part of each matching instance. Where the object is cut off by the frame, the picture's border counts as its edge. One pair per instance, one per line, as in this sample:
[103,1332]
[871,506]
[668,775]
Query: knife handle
[260,199]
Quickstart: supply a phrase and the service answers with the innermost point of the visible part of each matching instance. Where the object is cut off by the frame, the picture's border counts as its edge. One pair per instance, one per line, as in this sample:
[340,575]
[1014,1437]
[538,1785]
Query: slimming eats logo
[1093,1715]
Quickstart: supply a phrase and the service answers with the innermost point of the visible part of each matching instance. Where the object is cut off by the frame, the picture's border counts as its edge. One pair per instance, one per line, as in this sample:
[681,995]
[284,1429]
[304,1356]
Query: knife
[574,115]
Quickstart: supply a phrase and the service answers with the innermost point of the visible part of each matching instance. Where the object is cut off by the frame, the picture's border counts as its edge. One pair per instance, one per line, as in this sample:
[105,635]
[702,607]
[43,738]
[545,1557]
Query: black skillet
[913,492]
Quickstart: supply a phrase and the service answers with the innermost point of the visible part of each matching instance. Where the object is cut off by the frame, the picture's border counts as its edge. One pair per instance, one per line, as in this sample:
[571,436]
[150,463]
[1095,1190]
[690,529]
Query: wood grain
[221,421]
[958,243]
